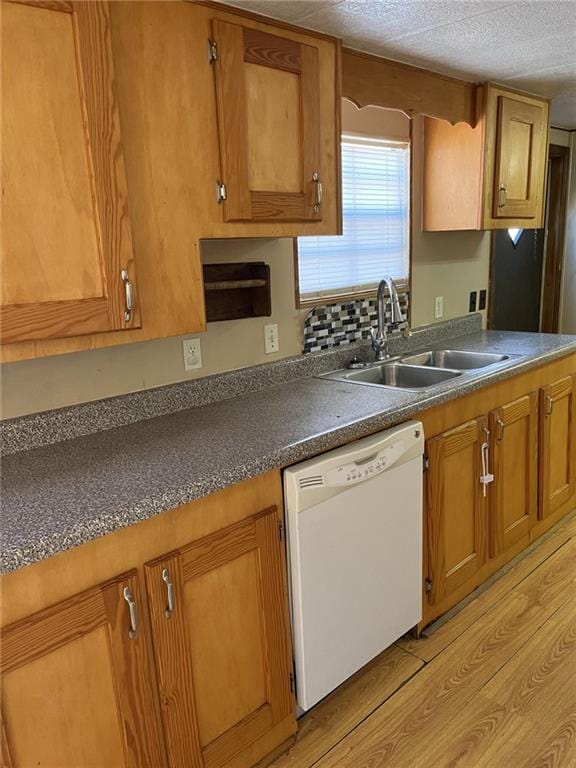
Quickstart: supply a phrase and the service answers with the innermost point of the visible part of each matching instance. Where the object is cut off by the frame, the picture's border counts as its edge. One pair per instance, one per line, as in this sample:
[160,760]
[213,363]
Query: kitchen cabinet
[67,257]
[268,91]
[518,434]
[557,445]
[456,504]
[221,642]
[492,176]
[260,121]
[77,683]
[513,496]
[197,674]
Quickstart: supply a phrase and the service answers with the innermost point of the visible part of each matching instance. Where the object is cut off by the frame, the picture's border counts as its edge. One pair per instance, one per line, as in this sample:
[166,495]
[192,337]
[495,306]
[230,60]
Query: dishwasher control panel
[357,472]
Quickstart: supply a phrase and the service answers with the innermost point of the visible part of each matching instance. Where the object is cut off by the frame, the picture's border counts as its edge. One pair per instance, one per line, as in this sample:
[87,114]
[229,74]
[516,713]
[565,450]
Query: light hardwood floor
[493,687]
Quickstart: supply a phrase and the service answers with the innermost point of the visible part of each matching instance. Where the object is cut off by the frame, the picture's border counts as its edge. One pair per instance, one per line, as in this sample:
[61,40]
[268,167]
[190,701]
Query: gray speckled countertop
[62,495]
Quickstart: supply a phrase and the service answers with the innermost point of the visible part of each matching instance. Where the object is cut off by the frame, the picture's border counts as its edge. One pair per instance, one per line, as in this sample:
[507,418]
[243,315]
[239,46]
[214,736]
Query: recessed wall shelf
[236,290]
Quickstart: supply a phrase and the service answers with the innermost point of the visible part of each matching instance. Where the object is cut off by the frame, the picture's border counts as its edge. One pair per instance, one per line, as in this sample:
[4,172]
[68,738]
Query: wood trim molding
[370,80]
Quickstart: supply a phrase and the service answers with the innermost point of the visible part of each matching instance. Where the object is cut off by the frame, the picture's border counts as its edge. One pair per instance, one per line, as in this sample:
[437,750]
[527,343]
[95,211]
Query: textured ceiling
[527,44]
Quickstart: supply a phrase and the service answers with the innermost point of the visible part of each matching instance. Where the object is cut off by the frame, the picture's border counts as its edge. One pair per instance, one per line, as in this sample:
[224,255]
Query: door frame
[555,223]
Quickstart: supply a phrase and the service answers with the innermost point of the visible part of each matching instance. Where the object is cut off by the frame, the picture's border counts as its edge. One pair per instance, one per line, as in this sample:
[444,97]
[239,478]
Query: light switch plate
[439,307]
[271,342]
[192,352]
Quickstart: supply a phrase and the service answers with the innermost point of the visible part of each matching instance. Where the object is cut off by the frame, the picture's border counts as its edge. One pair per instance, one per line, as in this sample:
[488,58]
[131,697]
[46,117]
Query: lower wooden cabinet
[558,444]
[77,685]
[456,507]
[513,496]
[182,661]
[501,471]
[221,642]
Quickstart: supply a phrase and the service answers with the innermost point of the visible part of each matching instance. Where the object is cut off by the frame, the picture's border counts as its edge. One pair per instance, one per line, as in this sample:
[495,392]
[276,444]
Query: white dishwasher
[354,525]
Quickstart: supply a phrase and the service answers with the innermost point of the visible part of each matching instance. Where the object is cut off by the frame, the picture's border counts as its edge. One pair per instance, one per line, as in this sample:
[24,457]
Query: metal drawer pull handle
[169,593]
[487,476]
[502,196]
[549,405]
[129,298]
[319,191]
[500,430]
[133,613]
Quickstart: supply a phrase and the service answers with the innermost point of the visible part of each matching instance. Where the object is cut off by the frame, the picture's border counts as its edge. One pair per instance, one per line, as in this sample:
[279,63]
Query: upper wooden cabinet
[67,259]
[268,91]
[263,119]
[492,176]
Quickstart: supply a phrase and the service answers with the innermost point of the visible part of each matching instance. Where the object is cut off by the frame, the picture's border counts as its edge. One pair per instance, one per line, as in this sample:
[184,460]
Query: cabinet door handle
[128,295]
[133,613]
[502,196]
[487,477]
[549,405]
[319,191]
[169,593]
[500,430]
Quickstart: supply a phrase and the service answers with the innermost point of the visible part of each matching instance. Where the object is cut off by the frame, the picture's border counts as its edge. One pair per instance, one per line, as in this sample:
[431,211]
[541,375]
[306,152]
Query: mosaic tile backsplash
[336,325]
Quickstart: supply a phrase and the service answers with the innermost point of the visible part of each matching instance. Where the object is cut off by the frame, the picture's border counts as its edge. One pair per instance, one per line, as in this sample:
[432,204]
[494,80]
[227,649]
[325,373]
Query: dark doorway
[516,281]
[526,270]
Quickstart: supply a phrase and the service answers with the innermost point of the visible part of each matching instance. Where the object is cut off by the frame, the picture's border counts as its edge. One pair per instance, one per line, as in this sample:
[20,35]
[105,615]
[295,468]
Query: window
[376,213]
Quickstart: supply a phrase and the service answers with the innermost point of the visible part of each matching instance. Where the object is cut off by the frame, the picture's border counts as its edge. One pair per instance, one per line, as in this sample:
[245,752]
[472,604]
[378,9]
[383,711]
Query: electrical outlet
[192,354]
[439,307]
[472,301]
[482,304]
[271,342]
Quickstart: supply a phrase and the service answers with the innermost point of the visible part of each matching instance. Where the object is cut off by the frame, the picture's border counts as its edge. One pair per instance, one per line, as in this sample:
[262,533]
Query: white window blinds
[376,217]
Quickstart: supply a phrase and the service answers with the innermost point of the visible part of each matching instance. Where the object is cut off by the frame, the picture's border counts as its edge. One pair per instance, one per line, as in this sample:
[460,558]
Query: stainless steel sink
[454,359]
[396,375]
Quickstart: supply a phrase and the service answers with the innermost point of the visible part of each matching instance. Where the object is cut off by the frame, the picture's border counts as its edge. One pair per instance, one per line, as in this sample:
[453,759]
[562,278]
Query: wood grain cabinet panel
[557,445]
[66,236]
[456,507]
[221,640]
[521,146]
[268,95]
[513,496]
[77,686]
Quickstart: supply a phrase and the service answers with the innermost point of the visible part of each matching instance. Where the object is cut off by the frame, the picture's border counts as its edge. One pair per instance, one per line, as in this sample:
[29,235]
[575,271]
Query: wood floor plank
[427,648]
[397,733]
[338,715]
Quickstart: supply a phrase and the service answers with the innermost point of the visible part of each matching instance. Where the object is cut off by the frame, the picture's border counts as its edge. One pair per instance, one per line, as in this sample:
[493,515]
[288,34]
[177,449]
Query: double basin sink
[418,370]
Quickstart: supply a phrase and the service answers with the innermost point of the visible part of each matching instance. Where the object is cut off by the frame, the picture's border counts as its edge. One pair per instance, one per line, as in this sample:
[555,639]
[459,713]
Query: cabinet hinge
[212,51]
[221,192]
[425,463]
[281,530]
[428,585]
[291,682]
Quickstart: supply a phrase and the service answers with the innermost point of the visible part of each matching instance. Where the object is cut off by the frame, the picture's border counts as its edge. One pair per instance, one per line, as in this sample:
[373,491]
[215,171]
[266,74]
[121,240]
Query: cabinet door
[76,685]
[514,431]
[521,147]
[557,445]
[456,507]
[221,640]
[268,93]
[66,242]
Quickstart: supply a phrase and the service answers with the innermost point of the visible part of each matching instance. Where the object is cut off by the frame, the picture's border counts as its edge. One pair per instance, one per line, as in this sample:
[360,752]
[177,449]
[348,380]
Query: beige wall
[444,264]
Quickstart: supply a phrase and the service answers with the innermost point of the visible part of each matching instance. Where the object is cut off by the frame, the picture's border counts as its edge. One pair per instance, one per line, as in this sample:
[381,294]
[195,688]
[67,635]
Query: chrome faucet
[380,336]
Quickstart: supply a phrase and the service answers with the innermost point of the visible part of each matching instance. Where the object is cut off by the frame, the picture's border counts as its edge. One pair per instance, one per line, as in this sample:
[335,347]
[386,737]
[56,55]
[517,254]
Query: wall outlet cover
[271,341]
[472,302]
[192,352]
[482,304]
[439,307]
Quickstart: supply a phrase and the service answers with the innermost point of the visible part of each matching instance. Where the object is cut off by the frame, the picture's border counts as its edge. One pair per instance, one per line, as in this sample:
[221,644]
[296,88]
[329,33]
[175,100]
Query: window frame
[403,286]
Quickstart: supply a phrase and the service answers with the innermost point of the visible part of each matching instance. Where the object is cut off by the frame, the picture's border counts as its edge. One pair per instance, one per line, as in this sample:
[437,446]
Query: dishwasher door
[354,525]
